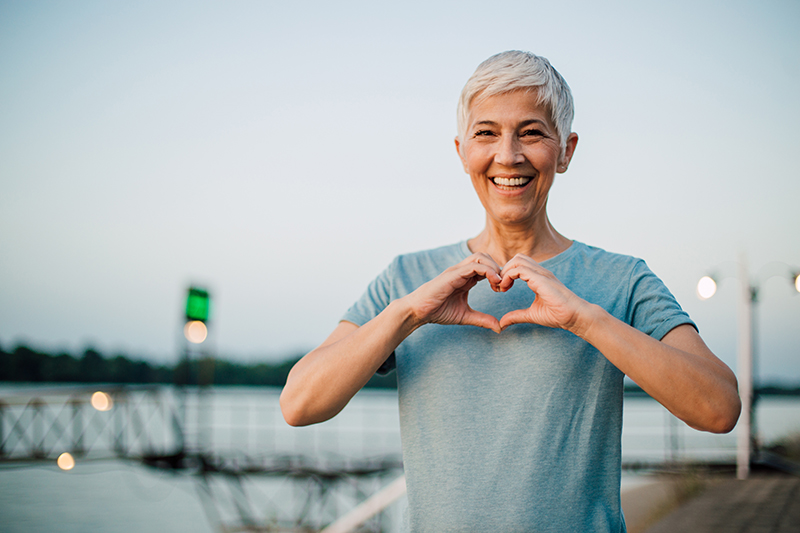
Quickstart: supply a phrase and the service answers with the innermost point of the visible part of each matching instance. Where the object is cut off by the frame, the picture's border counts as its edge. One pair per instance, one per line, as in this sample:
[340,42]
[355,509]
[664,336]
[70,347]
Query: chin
[513,218]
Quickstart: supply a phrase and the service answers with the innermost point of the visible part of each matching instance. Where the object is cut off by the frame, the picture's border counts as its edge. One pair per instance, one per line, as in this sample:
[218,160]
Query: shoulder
[408,271]
[582,257]
[601,277]
[625,286]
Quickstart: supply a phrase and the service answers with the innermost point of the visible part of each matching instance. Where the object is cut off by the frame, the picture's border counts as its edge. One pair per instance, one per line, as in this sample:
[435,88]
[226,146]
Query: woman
[511,391]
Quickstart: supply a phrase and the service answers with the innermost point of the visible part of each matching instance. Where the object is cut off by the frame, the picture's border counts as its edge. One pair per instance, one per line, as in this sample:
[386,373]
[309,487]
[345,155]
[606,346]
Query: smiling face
[511,151]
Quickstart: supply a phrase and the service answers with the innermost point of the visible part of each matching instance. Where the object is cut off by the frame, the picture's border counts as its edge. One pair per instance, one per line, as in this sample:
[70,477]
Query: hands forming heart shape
[443,300]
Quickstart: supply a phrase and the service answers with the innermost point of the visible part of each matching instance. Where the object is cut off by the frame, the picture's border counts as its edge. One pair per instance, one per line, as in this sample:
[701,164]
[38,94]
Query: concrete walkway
[765,503]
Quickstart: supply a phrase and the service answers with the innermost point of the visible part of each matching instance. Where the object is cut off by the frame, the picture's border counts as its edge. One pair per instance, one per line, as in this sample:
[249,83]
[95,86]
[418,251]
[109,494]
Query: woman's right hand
[443,300]
[317,387]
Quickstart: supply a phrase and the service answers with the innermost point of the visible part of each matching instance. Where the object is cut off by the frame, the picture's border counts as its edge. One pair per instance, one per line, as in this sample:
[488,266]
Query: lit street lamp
[748,298]
[198,304]
[196,334]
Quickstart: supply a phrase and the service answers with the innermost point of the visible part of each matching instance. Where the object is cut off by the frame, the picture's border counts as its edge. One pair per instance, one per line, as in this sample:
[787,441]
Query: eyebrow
[522,124]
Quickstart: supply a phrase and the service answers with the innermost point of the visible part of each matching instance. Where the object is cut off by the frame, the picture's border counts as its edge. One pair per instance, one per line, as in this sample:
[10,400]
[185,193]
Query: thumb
[518,316]
[482,320]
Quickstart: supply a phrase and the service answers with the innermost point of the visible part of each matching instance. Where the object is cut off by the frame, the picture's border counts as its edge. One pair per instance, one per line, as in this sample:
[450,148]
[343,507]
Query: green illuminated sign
[197,304]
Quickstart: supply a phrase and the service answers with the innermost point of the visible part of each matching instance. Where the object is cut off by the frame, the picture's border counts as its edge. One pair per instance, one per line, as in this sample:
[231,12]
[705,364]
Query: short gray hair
[517,70]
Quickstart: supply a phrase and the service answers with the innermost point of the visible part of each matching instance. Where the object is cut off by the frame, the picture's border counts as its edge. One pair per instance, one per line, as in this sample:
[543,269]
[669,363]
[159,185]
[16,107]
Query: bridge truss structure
[169,429]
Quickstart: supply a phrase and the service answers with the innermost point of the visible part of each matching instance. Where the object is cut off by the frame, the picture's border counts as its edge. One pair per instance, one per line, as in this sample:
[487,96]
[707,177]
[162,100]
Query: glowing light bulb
[65,461]
[102,401]
[195,331]
[706,287]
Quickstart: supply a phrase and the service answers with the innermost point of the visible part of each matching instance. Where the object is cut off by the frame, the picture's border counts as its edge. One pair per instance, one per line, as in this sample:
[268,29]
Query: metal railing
[252,472]
[41,426]
[652,437]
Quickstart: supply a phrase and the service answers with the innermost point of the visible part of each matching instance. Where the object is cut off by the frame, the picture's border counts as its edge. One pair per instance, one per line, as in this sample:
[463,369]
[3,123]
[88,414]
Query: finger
[470,270]
[523,272]
[481,257]
[523,261]
[486,260]
[529,271]
[520,259]
[460,278]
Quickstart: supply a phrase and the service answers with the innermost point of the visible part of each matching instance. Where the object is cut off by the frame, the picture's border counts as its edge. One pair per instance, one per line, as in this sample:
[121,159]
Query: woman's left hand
[555,305]
[679,371]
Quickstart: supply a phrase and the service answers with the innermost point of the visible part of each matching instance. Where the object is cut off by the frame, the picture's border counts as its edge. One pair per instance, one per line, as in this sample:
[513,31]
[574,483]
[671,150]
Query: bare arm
[321,384]
[679,371]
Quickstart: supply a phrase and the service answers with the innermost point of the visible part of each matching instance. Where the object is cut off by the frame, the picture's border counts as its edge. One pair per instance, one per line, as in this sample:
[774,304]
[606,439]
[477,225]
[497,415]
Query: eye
[483,133]
[533,132]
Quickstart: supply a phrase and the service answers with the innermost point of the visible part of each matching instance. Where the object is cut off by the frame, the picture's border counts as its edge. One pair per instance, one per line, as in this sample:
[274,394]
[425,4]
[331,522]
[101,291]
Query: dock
[767,502]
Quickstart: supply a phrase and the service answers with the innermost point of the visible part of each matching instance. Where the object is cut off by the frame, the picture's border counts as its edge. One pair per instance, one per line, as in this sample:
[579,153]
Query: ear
[569,151]
[460,155]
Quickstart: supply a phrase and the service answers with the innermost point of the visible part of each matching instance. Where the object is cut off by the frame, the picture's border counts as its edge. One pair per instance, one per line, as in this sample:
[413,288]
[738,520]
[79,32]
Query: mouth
[510,184]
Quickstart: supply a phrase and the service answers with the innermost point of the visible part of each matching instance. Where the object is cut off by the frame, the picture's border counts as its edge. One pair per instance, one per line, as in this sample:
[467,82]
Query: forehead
[512,106]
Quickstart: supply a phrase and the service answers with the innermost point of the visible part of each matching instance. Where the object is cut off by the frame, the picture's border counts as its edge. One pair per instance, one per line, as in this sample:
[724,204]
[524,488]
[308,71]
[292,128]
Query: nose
[509,151]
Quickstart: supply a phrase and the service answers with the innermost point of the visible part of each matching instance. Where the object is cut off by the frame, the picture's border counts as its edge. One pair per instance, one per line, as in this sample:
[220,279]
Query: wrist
[403,311]
[589,318]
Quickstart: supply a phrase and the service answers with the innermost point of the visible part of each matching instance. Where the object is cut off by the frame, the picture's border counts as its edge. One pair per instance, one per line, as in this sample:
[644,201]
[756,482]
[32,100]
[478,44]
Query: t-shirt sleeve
[651,306]
[372,302]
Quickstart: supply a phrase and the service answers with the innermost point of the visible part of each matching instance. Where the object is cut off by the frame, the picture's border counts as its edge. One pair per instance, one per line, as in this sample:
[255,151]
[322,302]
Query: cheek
[475,162]
[472,153]
[543,188]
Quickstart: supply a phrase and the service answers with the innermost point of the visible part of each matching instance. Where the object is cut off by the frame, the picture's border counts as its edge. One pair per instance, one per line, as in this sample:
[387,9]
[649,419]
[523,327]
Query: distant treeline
[23,364]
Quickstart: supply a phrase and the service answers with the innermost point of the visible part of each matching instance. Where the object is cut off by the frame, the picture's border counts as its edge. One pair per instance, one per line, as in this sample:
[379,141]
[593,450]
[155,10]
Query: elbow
[723,418]
[291,410]
[722,425]
[729,411]
[727,422]
[300,408]
[292,419]
[294,401]
[723,408]
[291,416]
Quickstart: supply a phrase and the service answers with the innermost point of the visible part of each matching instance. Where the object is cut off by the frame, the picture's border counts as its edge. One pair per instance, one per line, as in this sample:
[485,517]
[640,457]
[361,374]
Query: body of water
[244,425]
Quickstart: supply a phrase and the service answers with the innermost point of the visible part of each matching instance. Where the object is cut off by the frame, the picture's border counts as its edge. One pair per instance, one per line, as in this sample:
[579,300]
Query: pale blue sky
[282,153]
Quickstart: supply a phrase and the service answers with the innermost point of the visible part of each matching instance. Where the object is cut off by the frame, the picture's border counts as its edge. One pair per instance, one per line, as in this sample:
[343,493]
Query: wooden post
[369,508]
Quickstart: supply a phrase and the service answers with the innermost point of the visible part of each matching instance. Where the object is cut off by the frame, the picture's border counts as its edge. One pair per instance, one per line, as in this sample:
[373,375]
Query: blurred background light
[195,331]
[198,304]
[65,461]
[706,287]
[102,401]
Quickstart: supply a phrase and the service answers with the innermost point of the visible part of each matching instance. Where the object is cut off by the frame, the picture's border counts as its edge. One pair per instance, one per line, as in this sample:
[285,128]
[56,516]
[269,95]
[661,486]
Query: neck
[503,242]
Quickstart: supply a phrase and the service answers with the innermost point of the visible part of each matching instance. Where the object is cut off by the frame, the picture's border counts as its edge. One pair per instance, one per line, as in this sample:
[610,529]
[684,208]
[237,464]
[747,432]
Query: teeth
[511,182]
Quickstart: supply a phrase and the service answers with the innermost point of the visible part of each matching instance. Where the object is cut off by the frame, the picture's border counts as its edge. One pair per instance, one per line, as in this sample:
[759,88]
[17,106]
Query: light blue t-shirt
[519,431]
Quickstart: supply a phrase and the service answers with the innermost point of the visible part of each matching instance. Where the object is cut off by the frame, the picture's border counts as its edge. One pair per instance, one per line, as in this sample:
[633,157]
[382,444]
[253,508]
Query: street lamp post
[195,332]
[744,437]
[748,298]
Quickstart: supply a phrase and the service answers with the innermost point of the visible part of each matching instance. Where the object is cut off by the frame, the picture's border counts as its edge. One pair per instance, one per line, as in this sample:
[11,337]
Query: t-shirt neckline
[556,259]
